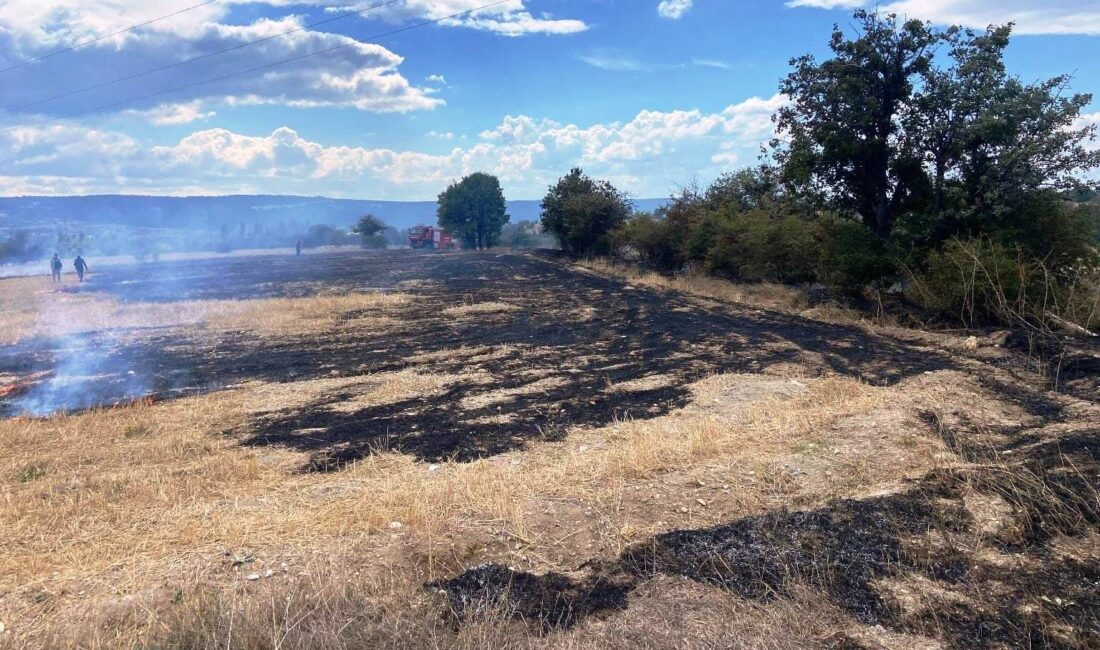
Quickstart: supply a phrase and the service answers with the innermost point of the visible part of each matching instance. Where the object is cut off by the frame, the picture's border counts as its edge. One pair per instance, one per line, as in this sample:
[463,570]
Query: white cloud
[436,79]
[711,63]
[826,4]
[614,61]
[173,114]
[1030,17]
[674,9]
[361,75]
[648,154]
[50,23]
[1062,17]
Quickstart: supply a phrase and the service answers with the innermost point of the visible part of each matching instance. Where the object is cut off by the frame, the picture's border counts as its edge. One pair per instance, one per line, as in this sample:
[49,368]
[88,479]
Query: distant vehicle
[430,237]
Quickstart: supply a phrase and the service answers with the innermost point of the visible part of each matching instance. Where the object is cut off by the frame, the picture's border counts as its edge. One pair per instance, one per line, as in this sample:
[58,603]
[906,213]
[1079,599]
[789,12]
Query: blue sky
[651,94]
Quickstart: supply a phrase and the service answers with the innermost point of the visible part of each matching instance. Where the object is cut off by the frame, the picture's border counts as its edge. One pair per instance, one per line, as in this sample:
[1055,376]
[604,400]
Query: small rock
[394,525]
[701,502]
[252,576]
[268,573]
[971,343]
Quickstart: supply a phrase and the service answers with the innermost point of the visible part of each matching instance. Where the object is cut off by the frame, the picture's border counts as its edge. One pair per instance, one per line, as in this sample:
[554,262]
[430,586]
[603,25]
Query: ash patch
[840,549]
[551,601]
[853,551]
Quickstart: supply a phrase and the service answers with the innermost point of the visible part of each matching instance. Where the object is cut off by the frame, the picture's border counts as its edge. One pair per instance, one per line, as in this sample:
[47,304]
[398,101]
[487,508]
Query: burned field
[471,450]
[547,349]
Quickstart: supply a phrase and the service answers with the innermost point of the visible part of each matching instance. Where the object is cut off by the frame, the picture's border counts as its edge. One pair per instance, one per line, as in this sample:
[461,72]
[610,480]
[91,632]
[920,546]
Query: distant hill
[216,212]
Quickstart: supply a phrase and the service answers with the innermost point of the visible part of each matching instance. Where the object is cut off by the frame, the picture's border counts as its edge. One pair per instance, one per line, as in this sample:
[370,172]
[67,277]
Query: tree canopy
[473,209]
[905,119]
[372,230]
[582,211]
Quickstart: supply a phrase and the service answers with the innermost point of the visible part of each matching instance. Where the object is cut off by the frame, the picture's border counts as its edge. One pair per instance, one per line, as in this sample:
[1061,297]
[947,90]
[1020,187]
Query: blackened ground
[582,331]
[1038,598]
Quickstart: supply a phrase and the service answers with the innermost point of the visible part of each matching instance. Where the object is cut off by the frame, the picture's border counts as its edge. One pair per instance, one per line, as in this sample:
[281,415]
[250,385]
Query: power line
[200,57]
[267,66]
[104,37]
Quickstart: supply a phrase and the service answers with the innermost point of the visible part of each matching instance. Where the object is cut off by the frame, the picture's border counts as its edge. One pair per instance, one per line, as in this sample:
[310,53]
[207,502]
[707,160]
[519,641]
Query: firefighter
[81,267]
[55,267]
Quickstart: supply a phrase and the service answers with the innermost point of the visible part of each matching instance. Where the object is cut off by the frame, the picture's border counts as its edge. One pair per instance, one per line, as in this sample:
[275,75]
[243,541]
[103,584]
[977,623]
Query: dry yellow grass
[34,307]
[764,294]
[116,503]
[480,308]
[133,492]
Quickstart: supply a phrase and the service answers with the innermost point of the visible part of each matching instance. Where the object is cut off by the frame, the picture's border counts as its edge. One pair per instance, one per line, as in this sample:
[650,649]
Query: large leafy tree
[992,144]
[582,211]
[474,210]
[845,144]
[908,121]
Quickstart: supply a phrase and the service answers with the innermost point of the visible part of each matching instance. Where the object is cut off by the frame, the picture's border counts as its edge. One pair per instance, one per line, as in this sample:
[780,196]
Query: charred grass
[598,465]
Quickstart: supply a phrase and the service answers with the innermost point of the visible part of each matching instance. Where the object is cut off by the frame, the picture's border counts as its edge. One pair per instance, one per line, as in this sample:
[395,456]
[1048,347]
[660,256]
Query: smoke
[74,363]
[89,370]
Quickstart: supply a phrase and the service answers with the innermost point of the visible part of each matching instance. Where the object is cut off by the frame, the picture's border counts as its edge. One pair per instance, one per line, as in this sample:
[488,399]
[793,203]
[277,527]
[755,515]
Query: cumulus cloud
[1064,17]
[648,154]
[357,74]
[173,114]
[674,9]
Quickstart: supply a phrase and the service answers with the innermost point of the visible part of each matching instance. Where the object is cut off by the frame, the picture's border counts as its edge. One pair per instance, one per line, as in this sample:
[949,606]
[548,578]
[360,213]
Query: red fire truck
[430,237]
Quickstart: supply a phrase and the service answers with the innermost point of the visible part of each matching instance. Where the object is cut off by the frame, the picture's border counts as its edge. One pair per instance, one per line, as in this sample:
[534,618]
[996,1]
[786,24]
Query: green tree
[582,211]
[473,209]
[994,144]
[845,144]
[372,230]
[881,133]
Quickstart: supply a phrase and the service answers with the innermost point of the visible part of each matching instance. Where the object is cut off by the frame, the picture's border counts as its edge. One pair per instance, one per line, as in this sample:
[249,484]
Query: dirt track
[598,348]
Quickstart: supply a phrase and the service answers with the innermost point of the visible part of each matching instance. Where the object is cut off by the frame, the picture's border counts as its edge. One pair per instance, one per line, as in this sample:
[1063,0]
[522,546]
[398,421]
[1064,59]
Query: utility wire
[267,66]
[97,39]
[239,46]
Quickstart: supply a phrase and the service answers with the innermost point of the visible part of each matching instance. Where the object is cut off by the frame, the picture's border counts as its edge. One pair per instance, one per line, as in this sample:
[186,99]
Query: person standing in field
[298,248]
[81,267]
[55,267]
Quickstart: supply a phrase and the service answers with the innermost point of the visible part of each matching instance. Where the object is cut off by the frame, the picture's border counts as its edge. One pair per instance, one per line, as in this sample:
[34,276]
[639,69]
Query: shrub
[850,256]
[582,212]
[980,282]
[757,246]
[655,241]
